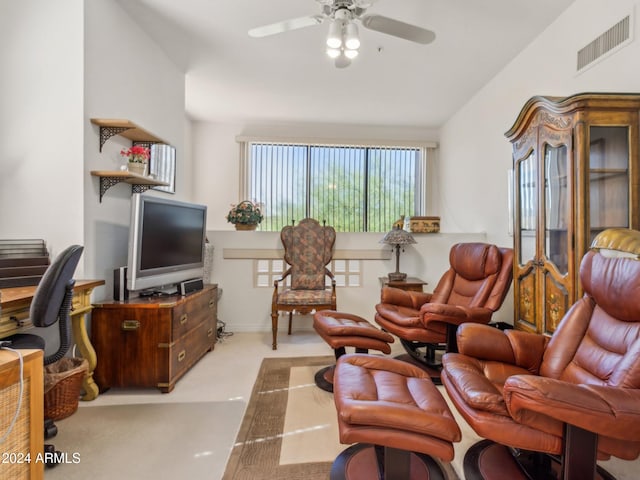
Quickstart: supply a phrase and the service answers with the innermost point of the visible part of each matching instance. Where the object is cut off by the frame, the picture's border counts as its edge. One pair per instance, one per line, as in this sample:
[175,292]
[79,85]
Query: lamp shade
[350,54]
[398,236]
[351,41]
[334,39]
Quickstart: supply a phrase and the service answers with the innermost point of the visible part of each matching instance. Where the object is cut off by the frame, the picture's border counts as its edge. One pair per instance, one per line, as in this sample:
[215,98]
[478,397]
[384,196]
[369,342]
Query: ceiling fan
[343,41]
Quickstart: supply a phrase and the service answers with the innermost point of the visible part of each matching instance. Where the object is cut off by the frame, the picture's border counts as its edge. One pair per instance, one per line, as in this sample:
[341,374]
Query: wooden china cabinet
[576,172]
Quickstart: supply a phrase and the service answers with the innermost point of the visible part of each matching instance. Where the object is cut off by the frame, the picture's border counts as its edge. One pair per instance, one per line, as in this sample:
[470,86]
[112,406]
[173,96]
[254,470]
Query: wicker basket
[62,384]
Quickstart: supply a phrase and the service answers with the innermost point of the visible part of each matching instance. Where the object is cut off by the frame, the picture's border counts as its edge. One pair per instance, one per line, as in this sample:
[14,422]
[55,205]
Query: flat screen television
[166,242]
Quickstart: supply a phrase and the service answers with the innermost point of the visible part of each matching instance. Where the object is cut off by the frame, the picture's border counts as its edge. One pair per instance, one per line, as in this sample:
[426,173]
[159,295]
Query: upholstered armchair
[471,290]
[575,394]
[308,249]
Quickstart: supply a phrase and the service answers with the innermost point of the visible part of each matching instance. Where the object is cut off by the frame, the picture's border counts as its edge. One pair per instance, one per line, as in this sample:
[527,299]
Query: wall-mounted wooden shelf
[139,183]
[125,128]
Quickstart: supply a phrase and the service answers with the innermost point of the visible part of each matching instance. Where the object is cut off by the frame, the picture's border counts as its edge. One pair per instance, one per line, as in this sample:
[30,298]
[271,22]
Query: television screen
[166,242]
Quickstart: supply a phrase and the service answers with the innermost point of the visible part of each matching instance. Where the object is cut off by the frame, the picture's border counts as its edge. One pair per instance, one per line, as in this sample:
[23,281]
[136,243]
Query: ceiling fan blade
[286,25]
[398,29]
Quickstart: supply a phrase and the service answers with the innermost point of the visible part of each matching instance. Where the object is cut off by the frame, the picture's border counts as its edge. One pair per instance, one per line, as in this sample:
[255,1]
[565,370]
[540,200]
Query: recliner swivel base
[487,460]
[366,462]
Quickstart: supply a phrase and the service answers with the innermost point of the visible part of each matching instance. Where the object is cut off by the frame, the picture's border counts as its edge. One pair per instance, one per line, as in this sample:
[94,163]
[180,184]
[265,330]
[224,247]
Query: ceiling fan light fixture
[350,54]
[352,40]
[333,52]
[342,61]
[334,38]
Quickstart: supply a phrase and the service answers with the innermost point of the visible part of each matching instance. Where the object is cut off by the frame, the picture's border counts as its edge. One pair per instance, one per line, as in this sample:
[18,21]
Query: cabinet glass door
[527,204]
[556,249]
[557,207]
[608,180]
[526,237]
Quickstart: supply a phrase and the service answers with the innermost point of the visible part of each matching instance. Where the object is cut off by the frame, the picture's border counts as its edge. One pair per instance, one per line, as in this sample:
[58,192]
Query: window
[354,188]
[347,273]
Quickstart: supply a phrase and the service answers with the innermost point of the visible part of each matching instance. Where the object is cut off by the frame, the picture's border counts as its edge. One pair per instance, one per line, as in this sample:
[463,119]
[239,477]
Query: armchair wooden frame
[308,251]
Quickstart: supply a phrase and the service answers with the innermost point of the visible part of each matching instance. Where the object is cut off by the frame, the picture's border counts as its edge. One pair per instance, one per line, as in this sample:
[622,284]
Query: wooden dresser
[152,341]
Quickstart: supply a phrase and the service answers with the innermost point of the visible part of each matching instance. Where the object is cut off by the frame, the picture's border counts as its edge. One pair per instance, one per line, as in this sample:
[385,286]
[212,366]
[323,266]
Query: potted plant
[245,215]
[138,157]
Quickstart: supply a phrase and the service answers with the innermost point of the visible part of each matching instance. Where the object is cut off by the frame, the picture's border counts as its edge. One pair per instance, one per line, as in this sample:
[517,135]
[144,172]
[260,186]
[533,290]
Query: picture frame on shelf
[162,166]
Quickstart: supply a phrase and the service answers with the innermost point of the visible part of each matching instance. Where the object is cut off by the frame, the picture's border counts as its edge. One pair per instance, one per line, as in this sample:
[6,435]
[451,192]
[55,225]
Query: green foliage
[355,194]
[247,213]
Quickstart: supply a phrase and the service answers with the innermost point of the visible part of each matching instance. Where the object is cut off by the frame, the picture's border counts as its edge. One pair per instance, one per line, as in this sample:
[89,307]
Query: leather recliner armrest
[404,298]
[513,347]
[455,314]
[613,412]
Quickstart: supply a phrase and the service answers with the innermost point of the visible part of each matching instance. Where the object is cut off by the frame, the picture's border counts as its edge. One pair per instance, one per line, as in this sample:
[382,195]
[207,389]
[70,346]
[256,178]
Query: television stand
[152,341]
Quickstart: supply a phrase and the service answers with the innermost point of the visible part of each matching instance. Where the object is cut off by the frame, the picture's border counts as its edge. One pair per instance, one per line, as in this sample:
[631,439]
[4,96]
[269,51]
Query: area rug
[180,440]
[289,430]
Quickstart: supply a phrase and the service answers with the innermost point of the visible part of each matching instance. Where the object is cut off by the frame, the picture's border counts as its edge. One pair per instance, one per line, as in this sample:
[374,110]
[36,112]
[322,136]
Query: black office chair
[52,303]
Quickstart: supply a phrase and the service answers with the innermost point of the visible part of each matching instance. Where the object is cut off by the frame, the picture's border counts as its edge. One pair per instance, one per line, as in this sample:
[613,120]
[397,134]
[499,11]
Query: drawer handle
[183,318]
[209,332]
[129,325]
[181,355]
[212,303]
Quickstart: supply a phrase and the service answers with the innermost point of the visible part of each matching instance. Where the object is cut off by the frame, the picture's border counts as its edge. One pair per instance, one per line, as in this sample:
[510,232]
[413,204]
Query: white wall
[473,140]
[41,145]
[126,76]
[69,61]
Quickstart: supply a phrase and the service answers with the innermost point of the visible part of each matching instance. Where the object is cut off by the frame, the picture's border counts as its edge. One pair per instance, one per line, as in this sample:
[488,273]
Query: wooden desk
[411,284]
[14,318]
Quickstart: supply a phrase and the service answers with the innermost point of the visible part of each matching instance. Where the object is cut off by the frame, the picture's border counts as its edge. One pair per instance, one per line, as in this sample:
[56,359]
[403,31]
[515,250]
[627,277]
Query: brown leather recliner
[473,288]
[575,394]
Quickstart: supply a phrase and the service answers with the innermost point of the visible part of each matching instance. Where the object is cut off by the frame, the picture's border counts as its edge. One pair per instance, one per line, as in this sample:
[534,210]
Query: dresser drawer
[190,348]
[189,315]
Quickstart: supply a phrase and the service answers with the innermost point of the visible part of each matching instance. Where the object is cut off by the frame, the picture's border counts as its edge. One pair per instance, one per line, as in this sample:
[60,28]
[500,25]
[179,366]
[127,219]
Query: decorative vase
[138,168]
[246,226]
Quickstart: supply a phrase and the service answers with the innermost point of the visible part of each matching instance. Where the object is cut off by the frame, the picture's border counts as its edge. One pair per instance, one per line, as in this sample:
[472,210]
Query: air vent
[605,43]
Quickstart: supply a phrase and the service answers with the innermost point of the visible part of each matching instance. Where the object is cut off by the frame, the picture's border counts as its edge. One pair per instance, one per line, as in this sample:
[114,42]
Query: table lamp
[398,238]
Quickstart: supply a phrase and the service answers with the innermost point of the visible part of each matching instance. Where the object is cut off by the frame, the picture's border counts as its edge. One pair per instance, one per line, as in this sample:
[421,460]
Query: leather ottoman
[341,330]
[396,417]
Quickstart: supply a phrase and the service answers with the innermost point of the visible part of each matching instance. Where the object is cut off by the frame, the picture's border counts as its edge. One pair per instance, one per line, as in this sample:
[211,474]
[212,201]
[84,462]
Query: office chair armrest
[609,411]
[404,298]
[515,347]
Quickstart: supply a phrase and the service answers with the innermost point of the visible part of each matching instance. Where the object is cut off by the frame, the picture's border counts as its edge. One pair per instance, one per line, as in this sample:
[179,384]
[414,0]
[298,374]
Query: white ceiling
[232,77]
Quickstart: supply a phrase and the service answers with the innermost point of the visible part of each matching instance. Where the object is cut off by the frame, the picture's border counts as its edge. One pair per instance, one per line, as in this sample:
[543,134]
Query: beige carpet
[146,441]
[289,430]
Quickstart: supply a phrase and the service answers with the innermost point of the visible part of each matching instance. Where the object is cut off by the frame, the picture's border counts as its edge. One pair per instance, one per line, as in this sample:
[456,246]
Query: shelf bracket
[146,143]
[107,132]
[106,183]
[137,188]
